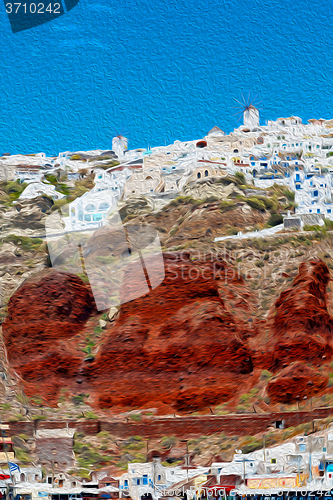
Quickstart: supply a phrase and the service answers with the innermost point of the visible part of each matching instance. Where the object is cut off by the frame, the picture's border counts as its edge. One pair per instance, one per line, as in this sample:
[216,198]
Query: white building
[146,479]
[251,117]
[91,209]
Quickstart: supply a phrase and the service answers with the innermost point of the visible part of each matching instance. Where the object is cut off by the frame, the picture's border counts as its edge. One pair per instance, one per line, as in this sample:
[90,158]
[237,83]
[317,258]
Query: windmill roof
[215,130]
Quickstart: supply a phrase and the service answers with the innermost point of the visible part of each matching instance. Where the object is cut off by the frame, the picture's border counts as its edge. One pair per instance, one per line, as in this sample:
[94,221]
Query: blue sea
[160,70]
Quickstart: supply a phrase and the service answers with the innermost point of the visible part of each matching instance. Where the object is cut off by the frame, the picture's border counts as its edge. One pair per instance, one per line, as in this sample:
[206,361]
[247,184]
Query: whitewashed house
[91,209]
[35,189]
[143,479]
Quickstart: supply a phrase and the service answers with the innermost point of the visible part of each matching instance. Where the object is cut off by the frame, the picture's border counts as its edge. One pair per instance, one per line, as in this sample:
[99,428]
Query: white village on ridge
[286,152]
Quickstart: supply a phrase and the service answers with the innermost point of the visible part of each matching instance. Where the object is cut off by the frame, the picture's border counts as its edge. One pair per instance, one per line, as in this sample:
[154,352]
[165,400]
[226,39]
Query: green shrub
[226,205]
[79,399]
[265,375]
[39,417]
[91,415]
[16,418]
[256,204]
[174,230]
[28,244]
[22,456]
[231,230]
[5,406]
[244,398]
[51,178]
[240,178]
[253,446]
[136,417]
[307,227]
[328,224]
[13,188]
[269,204]
[275,220]
[210,199]
[168,441]
[290,195]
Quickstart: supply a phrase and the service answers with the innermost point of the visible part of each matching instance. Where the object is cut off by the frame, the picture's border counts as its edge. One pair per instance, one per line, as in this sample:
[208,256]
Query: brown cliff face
[45,311]
[296,383]
[302,327]
[183,346]
[179,344]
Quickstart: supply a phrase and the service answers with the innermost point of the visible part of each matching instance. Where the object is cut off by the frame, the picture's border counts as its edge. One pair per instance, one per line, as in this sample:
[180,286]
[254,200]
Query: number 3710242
[33,8]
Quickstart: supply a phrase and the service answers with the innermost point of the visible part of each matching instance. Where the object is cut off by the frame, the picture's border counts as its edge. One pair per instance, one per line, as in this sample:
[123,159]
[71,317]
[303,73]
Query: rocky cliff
[192,342]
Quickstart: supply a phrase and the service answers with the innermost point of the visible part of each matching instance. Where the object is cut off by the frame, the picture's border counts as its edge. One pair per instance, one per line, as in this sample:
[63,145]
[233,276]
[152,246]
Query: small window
[87,218]
[199,175]
[318,210]
[273,460]
[302,447]
[159,477]
[104,206]
[90,207]
[145,479]
[206,173]
[329,210]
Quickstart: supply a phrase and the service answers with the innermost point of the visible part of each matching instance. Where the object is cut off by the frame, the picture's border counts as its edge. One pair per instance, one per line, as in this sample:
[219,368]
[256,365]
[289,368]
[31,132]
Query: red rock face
[45,310]
[302,327]
[296,382]
[178,343]
[182,346]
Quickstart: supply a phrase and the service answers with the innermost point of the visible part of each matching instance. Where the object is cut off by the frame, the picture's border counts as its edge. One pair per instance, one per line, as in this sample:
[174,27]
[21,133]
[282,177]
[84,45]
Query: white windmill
[249,112]
[119,145]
